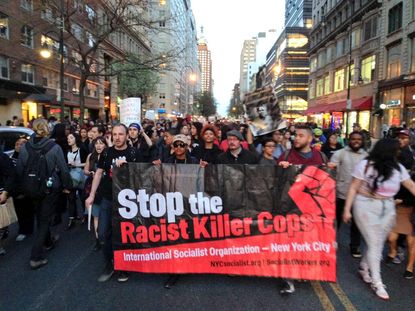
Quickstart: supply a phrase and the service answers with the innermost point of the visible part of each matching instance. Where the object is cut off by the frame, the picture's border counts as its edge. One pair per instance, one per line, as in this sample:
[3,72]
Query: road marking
[344,299]
[322,296]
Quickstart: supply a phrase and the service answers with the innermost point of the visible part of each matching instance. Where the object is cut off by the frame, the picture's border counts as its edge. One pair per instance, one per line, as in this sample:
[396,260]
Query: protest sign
[130,110]
[225,219]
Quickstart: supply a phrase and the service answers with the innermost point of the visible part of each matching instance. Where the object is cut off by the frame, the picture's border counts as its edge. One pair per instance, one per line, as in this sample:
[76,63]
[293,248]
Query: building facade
[396,87]
[345,52]
[205,60]
[248,55]
[176,36]
[30,84]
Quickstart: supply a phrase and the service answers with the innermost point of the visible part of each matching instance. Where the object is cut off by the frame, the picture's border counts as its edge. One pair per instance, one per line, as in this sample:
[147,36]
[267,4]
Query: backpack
[36,173]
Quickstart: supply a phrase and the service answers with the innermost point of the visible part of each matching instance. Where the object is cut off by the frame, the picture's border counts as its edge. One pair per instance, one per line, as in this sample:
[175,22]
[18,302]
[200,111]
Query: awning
[364,103]
[39,98]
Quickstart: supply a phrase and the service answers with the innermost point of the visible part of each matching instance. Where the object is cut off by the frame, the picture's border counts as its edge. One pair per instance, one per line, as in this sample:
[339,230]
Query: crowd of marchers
[63,173]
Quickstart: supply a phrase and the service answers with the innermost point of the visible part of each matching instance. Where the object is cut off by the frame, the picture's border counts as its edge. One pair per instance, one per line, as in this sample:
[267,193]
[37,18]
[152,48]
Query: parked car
[10,134]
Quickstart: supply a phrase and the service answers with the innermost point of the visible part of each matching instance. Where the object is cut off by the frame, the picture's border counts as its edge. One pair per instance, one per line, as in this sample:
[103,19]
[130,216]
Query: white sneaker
[364,273]
[380,291]
[20,237]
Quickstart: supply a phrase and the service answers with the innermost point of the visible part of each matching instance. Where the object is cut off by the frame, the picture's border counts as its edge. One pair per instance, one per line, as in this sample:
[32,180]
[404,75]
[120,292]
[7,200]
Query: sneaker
[356,253]
[364,273]
[123,276]
[408,275]
[107,273]
[401,253]
[2,251]
[287,287]
[20,237]
[395,260]
[380,291]
[53,243]
[36,264]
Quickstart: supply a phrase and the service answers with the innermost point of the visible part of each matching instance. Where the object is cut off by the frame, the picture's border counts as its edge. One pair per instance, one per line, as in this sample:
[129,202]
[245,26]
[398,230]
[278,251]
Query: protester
[117,155]
[23,205]
[286,140]
[207,151]
[45,203]
[196,129]
[344,161]
[375,181]
[300,154]
[277,137]
[76,161]
[140,140]
[224,135]
[164,146]
[90,168]
[404,206]
[181,154]
[235,153]
[331,145]
[267,156]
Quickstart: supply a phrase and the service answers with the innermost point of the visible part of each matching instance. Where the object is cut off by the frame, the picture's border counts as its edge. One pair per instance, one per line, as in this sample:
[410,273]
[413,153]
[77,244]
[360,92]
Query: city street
[68,282]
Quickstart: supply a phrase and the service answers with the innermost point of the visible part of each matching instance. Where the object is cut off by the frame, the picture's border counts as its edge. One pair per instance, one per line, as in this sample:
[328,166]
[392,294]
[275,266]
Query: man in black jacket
[60,181]
[235,153]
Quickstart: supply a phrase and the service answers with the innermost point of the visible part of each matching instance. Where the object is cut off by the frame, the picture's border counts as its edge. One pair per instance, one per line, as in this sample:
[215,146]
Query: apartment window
[313,64]
[395,18]
[4,67]
[28,74]
[346,46]
[311,90]
[394,61]
[90,12]
[352,70]
[368,69]
[75,86]
[91,90]
[4,26]
[78,32]
[356,38]
[90,39]
[46,12]
[339,48]
[339,80]
[320,87]
[327,85]
[370,28]
[321,59]
[329,54]
[27,36]
[26,4]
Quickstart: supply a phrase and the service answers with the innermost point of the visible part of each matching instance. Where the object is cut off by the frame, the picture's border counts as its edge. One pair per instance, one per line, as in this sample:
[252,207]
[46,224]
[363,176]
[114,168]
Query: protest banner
[225,219]
[130,110]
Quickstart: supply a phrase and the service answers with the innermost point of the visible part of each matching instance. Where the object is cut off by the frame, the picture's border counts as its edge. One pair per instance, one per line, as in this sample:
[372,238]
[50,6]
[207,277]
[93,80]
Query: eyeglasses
[177,145]
[270,146]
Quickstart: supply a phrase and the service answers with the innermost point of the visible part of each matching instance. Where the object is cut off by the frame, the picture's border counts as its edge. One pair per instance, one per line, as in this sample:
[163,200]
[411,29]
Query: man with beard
[116,155]
[235,153]
[301,154]
[345,160]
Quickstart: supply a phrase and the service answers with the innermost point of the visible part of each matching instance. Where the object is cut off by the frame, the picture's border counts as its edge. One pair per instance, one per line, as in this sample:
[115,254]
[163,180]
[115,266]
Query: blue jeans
[105,229]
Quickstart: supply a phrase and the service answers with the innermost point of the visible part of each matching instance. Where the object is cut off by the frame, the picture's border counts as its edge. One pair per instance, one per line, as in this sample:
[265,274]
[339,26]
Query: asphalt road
[68,282]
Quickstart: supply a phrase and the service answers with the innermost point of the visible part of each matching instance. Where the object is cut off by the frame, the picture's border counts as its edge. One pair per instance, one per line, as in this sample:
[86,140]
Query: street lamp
[45,52]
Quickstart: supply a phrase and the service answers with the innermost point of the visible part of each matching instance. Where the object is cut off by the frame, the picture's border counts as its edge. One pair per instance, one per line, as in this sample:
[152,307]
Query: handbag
[7,214]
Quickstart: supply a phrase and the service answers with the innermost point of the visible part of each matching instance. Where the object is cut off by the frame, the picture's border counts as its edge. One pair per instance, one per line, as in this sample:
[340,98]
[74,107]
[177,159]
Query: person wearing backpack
[43,175]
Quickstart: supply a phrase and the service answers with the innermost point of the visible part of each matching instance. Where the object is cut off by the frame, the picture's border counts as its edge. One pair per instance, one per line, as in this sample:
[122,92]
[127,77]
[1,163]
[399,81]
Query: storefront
[392,103]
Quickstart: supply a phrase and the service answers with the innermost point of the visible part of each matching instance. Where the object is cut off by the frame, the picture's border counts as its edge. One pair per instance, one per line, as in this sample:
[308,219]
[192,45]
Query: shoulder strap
[323,157]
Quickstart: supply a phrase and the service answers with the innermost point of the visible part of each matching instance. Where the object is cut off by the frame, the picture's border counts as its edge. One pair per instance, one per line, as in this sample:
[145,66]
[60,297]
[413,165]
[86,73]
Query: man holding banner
[115,156]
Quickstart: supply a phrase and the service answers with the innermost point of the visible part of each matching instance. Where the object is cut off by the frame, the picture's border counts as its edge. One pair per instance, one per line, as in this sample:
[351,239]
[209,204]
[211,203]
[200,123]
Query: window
[75,86]
[91,14]
[26,4]
[27,36]
[28,73]
[330,54]
[395,18]
[91,90]
[370,28]
[356,38]
[368,69]
[77,32]
[4,26]
[320,87]
[311,90]
[4,67]
[90,39]
[394,61]
[339,80]
[346,46]
[313,64]
[352,71]
[321,59]
[339,48]
[327,85]
[46,12]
